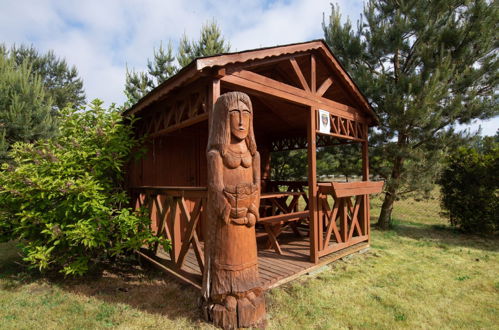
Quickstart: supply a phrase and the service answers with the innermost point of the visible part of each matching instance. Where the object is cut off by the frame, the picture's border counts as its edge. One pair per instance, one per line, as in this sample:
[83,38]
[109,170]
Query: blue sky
[102,37]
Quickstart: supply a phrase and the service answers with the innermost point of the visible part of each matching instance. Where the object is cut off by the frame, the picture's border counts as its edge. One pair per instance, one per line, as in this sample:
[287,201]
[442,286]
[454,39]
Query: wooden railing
[176,214]
[345,222]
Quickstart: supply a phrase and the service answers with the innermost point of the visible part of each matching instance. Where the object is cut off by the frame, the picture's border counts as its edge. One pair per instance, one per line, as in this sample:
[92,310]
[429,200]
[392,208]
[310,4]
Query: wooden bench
[274,224]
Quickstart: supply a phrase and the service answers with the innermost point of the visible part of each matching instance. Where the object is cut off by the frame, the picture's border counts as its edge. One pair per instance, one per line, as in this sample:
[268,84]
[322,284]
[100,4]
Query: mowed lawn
[422,274]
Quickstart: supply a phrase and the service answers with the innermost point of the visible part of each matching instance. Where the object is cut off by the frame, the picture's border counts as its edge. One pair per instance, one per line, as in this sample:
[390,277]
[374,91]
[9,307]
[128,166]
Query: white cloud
[101,37]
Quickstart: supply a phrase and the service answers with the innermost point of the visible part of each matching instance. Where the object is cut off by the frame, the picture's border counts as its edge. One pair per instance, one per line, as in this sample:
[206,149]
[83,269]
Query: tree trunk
[385,215]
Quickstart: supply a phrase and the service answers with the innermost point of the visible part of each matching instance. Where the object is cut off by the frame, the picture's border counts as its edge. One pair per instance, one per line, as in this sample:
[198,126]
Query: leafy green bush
[63,199]
[470,189]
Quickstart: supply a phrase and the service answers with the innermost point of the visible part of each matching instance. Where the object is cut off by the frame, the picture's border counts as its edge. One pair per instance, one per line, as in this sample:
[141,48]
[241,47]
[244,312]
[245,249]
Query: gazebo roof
[205,66]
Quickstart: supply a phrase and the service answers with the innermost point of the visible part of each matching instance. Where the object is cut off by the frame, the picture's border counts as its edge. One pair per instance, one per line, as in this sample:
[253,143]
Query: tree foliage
[339,160]
[289,165]
[61,81]
[425,66]
[470,189]
[163,65]
[25,108]
[63,199]
[343,159]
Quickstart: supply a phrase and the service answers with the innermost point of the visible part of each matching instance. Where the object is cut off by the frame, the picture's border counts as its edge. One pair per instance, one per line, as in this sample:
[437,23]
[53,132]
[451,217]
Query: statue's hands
[252,215]
[251,220]
[240,221]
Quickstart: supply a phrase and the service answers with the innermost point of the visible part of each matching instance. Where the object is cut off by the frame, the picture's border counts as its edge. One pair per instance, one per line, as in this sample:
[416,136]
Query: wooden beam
[299,74]
[192,221]
[340,246]
[255,55]
[337,68]
[312,185]
[175,230]
[344,220]
[182,124]
[168,270]
[313,73]
[261,85]
[325,86]
[220,73]
[366,209]
[215,93]
[342,136]
[274,61]
[332,215]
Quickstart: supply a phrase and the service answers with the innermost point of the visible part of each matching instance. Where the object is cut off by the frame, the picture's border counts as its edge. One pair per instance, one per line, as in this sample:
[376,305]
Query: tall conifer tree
[163,66]
[60,80]
[25,109]
[425,66]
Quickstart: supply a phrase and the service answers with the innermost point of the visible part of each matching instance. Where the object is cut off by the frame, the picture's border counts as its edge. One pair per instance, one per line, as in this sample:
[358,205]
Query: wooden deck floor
[274,269]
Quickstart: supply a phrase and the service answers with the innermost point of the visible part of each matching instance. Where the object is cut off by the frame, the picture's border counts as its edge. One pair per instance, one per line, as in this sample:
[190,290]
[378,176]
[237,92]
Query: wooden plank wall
[178,160]
[172,160]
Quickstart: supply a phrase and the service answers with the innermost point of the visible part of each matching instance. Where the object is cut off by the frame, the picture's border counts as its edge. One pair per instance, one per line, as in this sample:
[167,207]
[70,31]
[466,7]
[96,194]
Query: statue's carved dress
[231,285]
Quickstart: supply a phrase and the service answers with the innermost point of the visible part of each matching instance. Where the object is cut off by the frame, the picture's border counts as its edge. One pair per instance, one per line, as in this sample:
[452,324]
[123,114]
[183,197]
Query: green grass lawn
[422,274]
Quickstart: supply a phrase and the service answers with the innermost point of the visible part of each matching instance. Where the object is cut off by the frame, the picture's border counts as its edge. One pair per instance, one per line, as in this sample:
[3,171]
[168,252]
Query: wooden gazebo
[302,225]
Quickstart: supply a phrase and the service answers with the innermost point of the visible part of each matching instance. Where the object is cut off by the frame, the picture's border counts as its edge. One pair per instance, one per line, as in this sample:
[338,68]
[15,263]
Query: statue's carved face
[240,121]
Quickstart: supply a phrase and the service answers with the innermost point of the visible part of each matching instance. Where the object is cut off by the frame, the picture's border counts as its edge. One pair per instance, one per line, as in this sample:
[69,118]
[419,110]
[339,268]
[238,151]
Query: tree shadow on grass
[121,282]
[13,273]
[445,235]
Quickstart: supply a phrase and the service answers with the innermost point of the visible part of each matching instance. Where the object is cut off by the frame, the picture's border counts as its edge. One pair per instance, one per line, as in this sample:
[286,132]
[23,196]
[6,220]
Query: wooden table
[282,214]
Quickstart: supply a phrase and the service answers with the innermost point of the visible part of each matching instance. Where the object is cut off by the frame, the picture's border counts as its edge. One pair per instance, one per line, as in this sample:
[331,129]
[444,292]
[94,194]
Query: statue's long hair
[220,122]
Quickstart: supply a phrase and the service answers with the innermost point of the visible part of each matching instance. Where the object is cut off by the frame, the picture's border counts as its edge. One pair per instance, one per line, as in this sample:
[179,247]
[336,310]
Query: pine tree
[163,67]
[137,85]
[185,53]
[341,160]
[424,66]
[61,81]
[211,41]
[25,109]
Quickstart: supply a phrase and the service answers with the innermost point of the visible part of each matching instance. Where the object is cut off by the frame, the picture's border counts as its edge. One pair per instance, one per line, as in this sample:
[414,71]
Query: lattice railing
[343,210]
[182,110]
[346,128]
[176,214]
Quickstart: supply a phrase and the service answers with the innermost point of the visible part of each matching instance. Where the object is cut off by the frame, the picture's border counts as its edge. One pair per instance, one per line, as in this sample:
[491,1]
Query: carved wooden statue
[231,285]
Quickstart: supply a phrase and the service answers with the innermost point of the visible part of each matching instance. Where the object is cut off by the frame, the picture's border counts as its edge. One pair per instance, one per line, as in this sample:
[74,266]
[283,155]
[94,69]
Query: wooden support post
[312,185]
[365,177]
[320,222]
[313,74]
[215,91]
[213,94]
[175,229]
[344,219]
